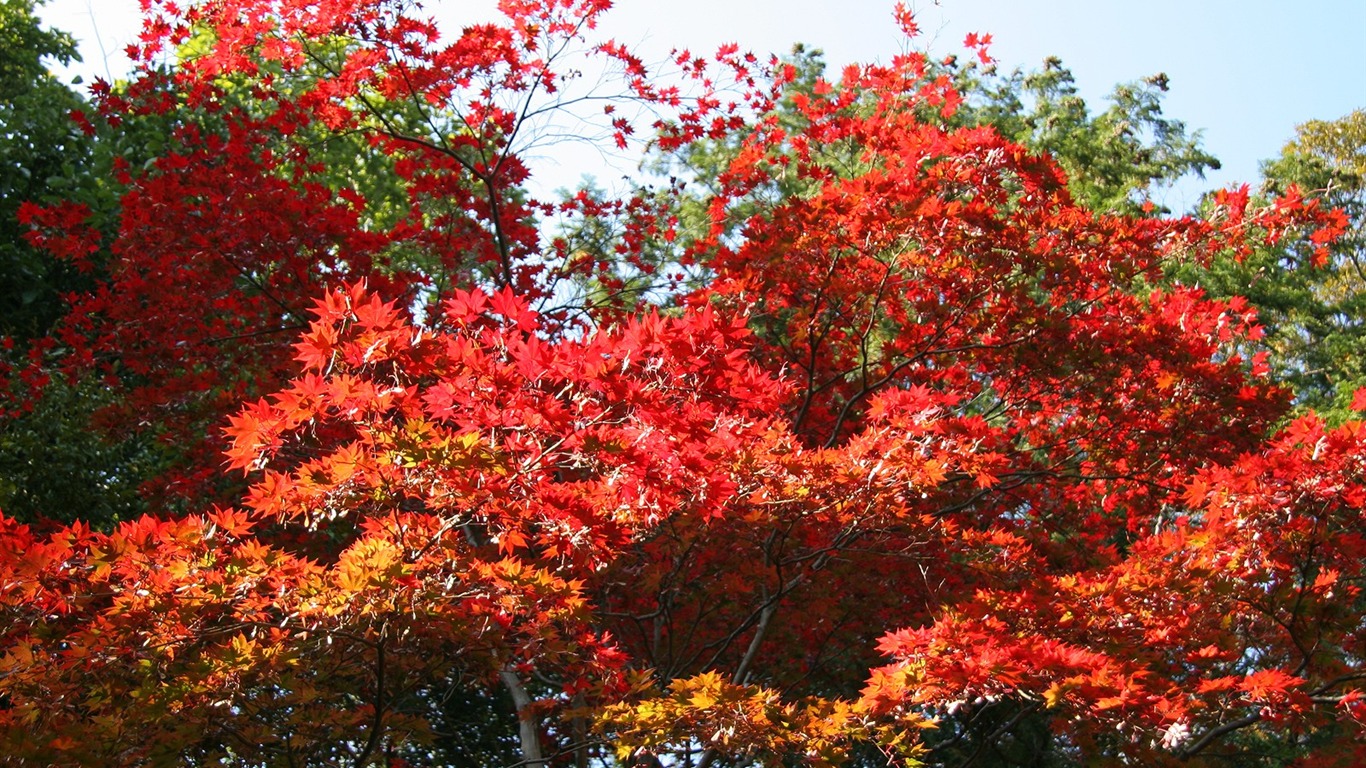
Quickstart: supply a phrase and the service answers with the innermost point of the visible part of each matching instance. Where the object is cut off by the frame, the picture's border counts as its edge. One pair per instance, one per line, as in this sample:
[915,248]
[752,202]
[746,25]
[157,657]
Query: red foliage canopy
[927,459]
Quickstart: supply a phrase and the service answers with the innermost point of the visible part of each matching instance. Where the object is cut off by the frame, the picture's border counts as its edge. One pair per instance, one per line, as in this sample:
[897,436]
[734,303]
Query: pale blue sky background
[1244,72]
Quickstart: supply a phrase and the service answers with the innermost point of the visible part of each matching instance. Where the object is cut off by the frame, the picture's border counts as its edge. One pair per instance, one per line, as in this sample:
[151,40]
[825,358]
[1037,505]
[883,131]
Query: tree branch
[527,730]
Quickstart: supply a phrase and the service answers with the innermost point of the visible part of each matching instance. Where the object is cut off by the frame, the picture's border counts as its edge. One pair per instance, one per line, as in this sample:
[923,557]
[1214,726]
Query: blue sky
[1244,73]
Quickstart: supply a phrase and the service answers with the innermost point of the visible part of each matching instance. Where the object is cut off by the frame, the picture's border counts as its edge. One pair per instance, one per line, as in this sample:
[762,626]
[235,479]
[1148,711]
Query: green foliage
[54,462]
[1312,309]
[54,466]
[1115,159]
[24,45]
[43,157]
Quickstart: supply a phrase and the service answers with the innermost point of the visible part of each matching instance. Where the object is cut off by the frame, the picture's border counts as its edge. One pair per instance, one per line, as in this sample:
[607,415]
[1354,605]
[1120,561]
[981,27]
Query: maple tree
[885,449]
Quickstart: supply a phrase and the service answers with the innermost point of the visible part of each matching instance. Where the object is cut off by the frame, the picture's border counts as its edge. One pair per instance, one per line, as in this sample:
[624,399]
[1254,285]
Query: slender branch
[1214,734]
[254,334]
[377,723]
[765,617]
[998,733]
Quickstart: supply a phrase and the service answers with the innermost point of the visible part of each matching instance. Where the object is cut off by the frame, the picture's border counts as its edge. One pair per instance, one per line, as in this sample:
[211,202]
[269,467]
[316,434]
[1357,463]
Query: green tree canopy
[42,154]
[1313,308]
